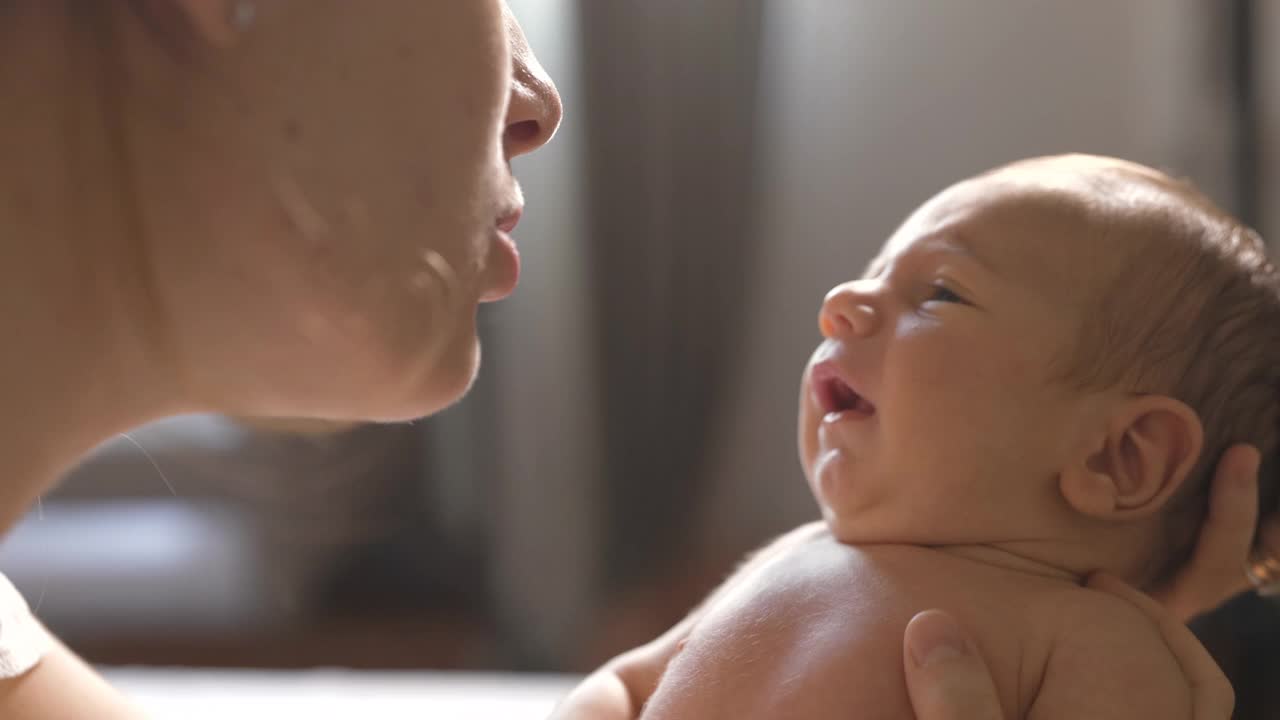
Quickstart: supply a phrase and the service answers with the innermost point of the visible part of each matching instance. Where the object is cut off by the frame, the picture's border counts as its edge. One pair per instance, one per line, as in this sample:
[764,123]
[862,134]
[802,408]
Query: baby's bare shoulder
[1106,659]
[1080,614]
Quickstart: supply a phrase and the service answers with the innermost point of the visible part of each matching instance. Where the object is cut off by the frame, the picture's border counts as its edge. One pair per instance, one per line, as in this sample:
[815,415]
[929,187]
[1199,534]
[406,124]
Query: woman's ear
[1151,444]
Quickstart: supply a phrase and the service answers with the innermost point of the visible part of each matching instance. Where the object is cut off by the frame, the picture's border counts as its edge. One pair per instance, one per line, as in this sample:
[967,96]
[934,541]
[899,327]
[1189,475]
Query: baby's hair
[1192,311]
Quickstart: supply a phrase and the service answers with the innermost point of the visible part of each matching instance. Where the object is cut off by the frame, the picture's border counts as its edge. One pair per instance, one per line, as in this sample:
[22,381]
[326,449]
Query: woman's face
[324,194]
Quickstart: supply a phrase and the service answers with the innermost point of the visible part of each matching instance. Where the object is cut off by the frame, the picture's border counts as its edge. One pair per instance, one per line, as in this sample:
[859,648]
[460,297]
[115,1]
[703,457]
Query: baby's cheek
[807,440]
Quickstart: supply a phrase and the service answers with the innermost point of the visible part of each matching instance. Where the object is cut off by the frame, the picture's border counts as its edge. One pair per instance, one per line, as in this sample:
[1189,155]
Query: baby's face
[931,412]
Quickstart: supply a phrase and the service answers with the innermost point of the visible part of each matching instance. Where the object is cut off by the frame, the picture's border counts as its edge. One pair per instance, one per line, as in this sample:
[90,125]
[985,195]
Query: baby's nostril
[832,324]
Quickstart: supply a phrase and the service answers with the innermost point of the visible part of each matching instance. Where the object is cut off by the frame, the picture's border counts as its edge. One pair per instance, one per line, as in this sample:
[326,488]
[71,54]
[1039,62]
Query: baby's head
[1051,356]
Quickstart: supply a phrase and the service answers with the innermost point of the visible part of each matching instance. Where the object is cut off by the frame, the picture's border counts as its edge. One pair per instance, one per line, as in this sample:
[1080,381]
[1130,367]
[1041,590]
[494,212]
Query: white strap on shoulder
[23,640]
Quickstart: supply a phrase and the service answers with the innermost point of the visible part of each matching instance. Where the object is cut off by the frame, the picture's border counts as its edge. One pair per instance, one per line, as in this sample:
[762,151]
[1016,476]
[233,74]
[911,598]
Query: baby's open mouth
[834,395]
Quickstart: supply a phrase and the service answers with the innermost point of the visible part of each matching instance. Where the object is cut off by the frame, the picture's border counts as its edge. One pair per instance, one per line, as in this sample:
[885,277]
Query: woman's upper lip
[508,220]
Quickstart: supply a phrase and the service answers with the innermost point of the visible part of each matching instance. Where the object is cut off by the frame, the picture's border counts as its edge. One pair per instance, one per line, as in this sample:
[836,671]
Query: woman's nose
[534,111]
[847,311]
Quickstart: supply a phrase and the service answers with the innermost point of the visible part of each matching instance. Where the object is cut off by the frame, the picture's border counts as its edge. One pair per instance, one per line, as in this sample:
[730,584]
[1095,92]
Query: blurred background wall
[721,165]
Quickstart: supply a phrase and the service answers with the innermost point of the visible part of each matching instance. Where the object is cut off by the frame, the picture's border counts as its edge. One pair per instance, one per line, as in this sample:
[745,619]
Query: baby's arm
[621,688]
[618,690]
[1110,660]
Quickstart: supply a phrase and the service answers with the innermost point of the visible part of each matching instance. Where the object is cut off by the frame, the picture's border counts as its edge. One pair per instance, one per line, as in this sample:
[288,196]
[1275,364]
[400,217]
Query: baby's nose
[846,311]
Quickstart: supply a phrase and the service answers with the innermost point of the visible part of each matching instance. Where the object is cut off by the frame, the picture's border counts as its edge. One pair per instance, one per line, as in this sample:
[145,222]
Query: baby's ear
[1151,444]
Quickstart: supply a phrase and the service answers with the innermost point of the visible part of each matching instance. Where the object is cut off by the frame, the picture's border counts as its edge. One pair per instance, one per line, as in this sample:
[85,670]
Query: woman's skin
[291,217]
[294,218]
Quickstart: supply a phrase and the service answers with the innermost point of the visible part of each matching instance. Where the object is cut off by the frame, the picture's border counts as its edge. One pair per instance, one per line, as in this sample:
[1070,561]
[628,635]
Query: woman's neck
[78,362]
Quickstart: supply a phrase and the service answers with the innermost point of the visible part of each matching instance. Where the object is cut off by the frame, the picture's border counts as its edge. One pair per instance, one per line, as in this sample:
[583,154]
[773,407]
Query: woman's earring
[243,13]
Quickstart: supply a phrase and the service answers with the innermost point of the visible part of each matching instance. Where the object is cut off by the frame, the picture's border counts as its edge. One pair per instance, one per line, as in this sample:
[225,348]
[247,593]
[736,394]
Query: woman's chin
[400,392]
[439,387]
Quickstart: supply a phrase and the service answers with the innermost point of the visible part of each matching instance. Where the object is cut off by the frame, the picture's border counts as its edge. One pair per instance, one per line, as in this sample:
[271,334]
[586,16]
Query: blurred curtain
[670,89]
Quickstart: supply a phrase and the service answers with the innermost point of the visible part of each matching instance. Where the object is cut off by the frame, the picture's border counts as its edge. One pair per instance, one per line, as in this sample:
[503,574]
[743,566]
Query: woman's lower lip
[504,268]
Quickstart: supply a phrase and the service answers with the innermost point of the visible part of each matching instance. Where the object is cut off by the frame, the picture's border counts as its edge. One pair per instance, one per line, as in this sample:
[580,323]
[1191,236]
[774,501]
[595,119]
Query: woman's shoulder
[23,640]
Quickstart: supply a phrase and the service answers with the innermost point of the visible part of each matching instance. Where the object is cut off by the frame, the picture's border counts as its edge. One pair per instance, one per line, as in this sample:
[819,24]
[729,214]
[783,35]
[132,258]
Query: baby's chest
[819,635]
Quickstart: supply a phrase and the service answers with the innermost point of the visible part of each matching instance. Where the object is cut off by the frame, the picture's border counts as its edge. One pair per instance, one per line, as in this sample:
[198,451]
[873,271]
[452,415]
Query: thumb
[946,677]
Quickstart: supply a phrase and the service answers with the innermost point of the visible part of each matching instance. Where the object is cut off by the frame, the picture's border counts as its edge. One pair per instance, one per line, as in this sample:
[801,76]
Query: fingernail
[936,639]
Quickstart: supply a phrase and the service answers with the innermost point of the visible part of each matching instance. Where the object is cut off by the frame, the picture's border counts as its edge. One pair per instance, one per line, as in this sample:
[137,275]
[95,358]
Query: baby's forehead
[1035,224]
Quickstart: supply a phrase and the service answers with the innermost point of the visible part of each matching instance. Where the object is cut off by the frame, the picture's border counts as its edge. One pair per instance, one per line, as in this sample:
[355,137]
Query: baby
[1030,383]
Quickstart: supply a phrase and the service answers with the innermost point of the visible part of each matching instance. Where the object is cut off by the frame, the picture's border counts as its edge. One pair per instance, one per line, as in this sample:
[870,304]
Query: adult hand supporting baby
[1216,569]
[947,678]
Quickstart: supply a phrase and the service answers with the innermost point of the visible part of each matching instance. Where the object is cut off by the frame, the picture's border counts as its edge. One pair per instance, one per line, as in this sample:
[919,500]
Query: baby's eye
[940,293]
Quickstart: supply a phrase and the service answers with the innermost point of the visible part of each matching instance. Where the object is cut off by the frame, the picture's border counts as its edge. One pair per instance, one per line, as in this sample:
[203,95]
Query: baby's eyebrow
[929,248]
[953,242]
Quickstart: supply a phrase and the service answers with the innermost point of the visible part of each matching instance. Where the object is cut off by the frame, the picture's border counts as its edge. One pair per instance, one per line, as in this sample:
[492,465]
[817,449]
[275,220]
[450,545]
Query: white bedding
[331,694]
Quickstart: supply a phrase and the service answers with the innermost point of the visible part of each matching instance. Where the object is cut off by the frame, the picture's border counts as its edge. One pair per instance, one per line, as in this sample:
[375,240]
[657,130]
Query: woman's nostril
[523,132]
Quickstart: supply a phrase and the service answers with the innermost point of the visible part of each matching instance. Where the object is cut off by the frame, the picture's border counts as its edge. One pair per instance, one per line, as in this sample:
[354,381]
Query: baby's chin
[844,526]
[872,527]
[855,514]
[850,518]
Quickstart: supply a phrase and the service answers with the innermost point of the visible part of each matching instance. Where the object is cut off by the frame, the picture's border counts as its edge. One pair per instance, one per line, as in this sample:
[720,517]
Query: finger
[1228,528]
[1213,573]
[946,677]
[1211,695]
